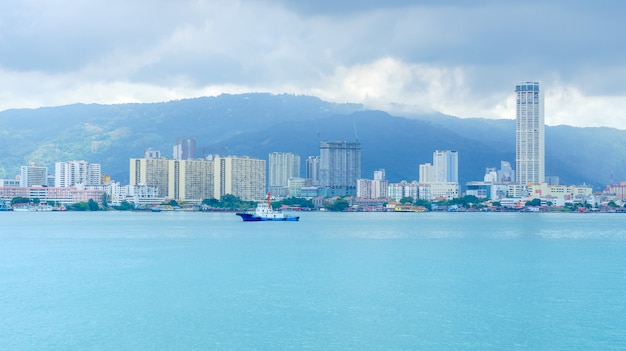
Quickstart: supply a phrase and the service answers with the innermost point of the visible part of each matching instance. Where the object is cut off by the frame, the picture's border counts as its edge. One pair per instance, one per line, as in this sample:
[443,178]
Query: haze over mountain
[257,124]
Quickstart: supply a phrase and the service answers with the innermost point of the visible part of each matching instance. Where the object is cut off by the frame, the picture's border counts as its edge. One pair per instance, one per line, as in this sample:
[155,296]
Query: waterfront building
[282,166]
[373,189]
[57,195]
[397,191]
[190,180]
[67,174]
[295,185]
[340,167]
[9,182]
[441,178]
[184,149]
[438,190]
[139,195]
[152,172]
[33,175]
[617,190]
[243,177]
[529,133]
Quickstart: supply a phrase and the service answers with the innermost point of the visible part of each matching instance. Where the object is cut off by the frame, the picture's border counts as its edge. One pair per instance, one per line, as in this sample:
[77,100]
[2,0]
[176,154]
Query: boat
[264,212]
[5,207]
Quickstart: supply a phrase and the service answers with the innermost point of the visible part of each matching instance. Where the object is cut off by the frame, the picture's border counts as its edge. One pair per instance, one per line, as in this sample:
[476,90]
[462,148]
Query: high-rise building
[184,149]
[152,172]
[33,176]
[190,180]
[313,170]
[282,166]
[446,166]
[340,167]
[243,177]
[67,174]
[529,134]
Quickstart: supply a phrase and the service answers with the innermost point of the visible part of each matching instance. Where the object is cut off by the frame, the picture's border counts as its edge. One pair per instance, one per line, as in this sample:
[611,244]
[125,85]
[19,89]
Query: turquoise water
[349,281]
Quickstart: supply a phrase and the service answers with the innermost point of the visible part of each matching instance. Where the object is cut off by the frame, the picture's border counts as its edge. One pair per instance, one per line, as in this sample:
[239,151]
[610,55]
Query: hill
[257,124]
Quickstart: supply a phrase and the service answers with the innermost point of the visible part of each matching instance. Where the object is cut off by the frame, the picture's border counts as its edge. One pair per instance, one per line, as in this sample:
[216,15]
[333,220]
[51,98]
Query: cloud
[455,57]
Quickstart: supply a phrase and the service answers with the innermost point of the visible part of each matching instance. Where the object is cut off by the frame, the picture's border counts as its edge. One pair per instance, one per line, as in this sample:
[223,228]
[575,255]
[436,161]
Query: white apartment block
[438,190]
[33,176]
[70,173]
[397,191]
[282,166]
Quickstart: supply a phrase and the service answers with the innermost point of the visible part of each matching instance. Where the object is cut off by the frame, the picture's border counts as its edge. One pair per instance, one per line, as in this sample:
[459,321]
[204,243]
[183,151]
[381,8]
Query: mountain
[257,124]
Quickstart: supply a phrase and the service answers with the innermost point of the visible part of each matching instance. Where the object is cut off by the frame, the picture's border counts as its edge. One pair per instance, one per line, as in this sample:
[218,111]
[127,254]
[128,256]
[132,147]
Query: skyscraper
[340,167]
[529,134]
[282,166]
[184,149]
[446,166]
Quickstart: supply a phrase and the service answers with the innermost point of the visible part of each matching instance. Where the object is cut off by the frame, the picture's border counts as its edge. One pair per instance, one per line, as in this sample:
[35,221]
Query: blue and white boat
[264,212]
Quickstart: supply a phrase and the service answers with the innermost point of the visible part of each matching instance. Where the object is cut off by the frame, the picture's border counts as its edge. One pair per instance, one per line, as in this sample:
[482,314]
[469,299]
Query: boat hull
[251,217]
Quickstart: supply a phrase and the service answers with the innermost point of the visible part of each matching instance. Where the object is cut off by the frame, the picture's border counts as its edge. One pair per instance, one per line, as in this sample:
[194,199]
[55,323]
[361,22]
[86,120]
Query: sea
[332,281]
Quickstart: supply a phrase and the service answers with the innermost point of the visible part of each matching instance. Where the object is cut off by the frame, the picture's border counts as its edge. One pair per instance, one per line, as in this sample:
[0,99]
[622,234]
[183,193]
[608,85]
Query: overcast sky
[458,57]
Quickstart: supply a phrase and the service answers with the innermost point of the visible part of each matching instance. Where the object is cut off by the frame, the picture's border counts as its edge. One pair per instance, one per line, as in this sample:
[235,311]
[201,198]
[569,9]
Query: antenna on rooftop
[355,134]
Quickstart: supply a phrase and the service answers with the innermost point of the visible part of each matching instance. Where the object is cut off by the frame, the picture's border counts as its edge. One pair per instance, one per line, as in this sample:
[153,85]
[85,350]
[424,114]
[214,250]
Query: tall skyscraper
[282,166]
[184,149]
[340,167]
[446,166]
[529,134]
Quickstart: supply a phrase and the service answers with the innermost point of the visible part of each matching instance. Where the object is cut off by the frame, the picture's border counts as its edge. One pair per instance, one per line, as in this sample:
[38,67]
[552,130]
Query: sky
[461,58]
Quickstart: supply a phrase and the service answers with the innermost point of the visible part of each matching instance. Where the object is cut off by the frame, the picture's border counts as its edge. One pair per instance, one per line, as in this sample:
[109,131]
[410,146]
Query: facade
[61,196]
[282,166]
[340,167]
[67,174]
[397,191]
[295,185]
[373,189]
[190,180]
[313,170]
[438,190]
[529,134]
[152,172]
[243,177]
[446,166]
[184,149]
[426,173]
[33,176]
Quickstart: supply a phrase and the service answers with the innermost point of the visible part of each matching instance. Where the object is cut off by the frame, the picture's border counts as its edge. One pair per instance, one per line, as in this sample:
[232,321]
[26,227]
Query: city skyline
[374,53]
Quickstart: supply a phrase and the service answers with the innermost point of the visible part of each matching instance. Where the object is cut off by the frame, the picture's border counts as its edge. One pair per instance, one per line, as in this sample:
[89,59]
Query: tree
[19,200]
[79,206]
[92,205]
[533,202]
[424,203]
[338,205]
[406,200]
[124,206]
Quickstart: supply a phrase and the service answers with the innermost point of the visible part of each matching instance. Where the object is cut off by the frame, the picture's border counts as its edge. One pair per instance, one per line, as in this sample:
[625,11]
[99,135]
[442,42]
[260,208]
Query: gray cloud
[462,57]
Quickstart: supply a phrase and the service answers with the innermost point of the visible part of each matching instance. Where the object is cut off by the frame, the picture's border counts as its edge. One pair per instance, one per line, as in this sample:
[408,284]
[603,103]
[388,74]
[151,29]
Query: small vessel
[264,212]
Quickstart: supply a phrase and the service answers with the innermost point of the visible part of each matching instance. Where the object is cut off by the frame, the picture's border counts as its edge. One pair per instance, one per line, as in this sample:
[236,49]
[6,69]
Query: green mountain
[257,124]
